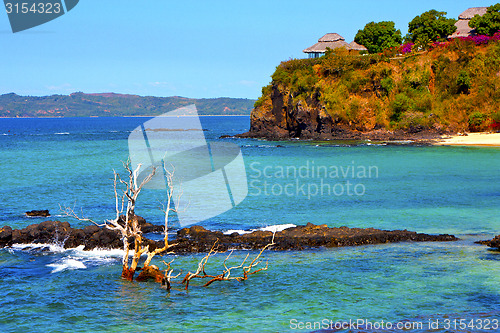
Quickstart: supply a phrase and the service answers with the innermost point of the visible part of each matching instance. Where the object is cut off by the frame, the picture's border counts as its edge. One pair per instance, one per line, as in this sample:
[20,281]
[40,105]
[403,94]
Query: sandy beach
[472,139]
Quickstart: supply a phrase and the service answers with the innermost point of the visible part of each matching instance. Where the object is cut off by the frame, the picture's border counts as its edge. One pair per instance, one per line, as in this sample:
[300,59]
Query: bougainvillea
[406,48]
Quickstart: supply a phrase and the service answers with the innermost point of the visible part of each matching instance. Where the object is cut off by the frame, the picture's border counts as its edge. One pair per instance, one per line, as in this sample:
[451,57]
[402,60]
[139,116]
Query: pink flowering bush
[406,48]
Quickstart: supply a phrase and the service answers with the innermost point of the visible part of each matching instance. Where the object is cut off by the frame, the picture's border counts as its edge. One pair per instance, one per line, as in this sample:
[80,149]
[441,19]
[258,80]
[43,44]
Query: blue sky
[198,49]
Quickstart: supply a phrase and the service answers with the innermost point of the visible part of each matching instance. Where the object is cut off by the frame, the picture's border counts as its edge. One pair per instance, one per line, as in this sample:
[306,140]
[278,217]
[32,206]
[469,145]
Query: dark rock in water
[5,235]
[62,233]
[494,243]
[198,239]
[38,213]
[146,227]
[90,237]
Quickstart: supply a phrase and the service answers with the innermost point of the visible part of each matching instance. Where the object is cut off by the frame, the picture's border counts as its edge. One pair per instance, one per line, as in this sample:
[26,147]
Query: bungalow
[332,41]
[463,29]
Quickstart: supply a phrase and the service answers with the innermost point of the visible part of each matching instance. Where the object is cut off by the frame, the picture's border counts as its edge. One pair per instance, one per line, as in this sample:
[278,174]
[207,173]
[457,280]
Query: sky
[196,49]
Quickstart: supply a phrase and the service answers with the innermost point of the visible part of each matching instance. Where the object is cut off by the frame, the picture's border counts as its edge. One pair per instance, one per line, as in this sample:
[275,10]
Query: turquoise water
[456,190]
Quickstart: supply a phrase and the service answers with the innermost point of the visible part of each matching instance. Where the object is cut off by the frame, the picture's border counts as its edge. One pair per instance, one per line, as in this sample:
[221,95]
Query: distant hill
[111,104]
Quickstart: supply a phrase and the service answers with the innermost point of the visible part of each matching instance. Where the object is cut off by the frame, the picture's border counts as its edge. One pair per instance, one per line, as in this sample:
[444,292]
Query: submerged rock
[198,239]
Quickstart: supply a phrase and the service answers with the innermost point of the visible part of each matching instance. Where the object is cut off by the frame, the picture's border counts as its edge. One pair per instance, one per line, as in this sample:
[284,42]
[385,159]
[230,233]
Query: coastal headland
[418,96]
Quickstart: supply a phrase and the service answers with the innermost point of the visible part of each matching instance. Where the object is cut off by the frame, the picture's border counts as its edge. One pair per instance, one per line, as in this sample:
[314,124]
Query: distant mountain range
[111,104]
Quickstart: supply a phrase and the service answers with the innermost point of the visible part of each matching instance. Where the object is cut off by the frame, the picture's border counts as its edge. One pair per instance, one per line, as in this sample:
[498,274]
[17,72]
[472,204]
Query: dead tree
[129,229]
[150,271]
[226,273]
[126,223]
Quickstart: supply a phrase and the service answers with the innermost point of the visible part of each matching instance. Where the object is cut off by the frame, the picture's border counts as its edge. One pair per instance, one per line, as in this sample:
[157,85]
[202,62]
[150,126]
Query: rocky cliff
[285,119]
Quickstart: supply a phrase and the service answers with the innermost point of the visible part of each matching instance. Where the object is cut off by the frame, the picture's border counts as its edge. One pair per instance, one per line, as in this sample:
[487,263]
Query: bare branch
[70,212]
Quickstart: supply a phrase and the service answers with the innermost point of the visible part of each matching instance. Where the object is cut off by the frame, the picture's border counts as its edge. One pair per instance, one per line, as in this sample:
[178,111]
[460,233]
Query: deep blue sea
[430,287]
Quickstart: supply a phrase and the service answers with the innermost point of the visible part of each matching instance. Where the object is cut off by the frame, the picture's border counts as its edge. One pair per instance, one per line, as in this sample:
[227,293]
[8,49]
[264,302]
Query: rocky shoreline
[284,119]
[341,133]
[198,239]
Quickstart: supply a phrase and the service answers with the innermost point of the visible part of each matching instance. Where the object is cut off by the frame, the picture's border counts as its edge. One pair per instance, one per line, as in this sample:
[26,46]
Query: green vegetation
[452,86]
[430,26]
[378,36]
[489,23]
[109,104]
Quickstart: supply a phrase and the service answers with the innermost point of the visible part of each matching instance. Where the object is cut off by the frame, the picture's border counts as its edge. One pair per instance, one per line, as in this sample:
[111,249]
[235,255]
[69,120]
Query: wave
[67,264]
[272,228]
[39,247]
[77,258]
[375,144]
[263,146]
[59,248]
[73,258]
[62,133]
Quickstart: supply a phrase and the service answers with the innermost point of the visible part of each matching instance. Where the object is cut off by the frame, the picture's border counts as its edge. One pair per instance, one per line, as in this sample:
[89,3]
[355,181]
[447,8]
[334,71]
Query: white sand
[472,139]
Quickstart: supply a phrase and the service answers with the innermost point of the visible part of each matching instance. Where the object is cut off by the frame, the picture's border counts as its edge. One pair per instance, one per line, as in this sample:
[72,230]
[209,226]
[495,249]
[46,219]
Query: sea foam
[67,264]
[272,228]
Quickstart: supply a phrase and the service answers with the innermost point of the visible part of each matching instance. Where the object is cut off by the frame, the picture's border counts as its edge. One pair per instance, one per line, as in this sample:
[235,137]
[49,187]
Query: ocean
[423,287]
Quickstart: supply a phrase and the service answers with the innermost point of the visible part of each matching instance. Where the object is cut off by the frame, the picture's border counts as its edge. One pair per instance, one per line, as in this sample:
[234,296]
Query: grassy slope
[455,86]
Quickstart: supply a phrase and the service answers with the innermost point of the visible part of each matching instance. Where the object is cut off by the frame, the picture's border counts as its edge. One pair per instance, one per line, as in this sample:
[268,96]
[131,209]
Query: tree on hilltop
[430,26]
[379,36]
[489,23]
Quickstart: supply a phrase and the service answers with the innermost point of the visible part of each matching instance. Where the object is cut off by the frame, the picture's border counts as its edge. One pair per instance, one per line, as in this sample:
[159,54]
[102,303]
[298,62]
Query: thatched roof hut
[471,12]
[331,41]
[331,37]
[356,47]
[463,29]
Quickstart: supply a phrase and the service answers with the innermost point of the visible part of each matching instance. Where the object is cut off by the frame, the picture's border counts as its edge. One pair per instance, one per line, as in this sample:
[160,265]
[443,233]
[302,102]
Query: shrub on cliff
[489,23]
[296,74]
[478,122]
[430,26]
[379,36]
